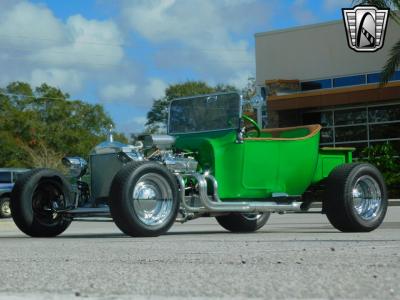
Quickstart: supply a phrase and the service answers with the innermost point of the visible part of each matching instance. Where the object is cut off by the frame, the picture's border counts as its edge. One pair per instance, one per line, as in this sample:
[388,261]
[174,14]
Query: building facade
[310,75]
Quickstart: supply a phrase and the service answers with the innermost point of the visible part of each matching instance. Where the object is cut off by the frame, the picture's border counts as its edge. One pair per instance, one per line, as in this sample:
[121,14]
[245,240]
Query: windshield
[204,113]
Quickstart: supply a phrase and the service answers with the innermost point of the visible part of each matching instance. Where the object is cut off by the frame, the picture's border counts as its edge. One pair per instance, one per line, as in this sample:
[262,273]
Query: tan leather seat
[276,133]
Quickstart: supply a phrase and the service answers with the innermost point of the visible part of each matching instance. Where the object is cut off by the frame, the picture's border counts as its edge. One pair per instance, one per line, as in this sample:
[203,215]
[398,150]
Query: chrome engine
[161,144]
[107,158]
[179,164]
[176,163]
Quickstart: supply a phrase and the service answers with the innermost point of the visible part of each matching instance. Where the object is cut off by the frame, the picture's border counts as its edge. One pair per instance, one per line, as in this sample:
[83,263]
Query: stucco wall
[314,52]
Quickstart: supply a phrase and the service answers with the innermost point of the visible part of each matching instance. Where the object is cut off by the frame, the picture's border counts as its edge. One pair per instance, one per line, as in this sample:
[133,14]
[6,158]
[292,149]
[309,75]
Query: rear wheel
[144,199]
[356,198]
[33,199]
[238,222]
[5,211]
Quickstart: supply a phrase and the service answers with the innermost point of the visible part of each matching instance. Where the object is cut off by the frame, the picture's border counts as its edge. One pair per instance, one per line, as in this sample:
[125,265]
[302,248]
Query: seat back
[288,133]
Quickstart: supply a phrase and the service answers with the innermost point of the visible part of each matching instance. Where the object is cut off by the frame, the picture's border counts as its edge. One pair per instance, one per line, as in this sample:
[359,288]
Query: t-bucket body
[212,164]
[280,162]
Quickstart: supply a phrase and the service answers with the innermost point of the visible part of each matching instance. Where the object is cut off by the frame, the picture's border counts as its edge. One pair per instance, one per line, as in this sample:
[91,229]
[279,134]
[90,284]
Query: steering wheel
[253,123]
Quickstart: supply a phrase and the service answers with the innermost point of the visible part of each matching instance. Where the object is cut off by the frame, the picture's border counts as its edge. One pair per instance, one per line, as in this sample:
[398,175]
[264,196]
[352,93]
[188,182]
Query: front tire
[356,198]
[144,199]
[34,195]
[237,222]
[5,211]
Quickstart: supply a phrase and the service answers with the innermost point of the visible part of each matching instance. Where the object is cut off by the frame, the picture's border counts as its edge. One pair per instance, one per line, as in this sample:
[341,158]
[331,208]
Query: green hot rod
[214,162]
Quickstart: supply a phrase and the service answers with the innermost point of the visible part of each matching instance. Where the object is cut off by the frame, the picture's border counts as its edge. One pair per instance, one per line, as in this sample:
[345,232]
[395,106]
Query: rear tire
[237,222]
[5,211]
[144,199]
[356,198]
[32,197]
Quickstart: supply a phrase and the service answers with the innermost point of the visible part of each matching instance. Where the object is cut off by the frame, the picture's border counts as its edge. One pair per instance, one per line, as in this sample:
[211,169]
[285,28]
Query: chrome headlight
[77,166]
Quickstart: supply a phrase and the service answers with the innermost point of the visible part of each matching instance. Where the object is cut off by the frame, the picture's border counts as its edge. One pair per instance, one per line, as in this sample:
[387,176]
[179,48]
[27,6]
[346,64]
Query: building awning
[338,96]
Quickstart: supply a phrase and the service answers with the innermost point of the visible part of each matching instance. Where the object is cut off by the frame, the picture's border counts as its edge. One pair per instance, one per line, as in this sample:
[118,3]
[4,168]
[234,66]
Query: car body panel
[282,161]
[329,158]
[257,168]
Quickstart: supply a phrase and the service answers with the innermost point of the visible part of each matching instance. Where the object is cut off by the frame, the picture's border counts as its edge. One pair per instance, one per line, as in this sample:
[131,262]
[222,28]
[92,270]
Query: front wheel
[5,211]
[356,198]
[34,198]
[144,199]
[237,222]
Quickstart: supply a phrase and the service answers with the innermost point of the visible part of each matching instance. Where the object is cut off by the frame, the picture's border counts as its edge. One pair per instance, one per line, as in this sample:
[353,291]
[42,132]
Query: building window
[326,135]
[349,80]
[396,76]
[323,118]
[316,84]
[376,77]
[351,116]
[358,127]
[351,134]
[345,81]
[326,118]
[384,131]
[384,114]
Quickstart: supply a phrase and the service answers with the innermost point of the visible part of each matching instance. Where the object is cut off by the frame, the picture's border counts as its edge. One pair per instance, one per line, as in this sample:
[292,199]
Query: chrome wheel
[5,210]
[252,217]
[243,222]
[152,199]
[367,198]
[356,198]
[144,199]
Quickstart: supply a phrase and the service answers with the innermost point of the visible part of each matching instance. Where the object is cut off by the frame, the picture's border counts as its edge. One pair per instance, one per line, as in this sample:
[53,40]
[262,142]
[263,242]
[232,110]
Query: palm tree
[394,59]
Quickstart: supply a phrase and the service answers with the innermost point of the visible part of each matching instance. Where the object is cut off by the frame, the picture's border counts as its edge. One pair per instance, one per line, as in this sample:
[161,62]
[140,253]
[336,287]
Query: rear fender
[329,158]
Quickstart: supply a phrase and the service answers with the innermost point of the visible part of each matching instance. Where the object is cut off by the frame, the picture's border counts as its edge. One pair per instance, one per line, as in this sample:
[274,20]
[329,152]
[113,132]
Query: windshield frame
[202,96]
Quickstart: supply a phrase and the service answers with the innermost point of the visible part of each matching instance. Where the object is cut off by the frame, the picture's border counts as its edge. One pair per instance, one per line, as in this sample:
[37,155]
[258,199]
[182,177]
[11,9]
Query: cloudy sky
[124,53]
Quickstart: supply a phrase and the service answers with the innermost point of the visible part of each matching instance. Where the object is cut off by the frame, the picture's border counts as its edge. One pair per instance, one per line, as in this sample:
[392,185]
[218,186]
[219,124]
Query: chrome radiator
[103,168]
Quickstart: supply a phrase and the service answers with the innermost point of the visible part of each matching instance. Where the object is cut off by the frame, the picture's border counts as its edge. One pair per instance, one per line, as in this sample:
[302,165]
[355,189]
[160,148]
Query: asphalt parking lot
[293,256]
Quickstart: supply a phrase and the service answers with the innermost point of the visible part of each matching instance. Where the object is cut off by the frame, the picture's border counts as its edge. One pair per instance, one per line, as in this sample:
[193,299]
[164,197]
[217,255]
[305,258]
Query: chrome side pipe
[214,204]
[185,205]
[88,212]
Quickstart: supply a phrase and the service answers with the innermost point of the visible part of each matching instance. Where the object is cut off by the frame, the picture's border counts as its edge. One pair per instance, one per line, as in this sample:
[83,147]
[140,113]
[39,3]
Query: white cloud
[136,125]
[38,47]
[156,88]
[189,40]
[239,80]
[92,44]
[140,120]
[118,92]
[205,34]
[69,79]
[25,24]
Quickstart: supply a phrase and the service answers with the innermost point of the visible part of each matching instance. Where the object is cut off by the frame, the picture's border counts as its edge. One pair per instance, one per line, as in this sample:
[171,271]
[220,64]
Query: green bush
[387,160]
